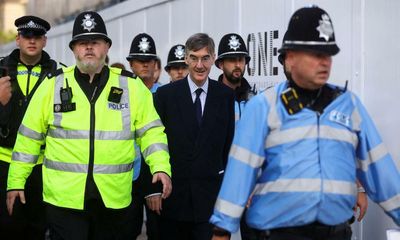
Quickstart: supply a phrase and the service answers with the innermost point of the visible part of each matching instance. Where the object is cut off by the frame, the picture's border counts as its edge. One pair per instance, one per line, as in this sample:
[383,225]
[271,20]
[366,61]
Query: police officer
[21,73]
[309,142]
[89,116]
[176,66]
[142,60]
[232,60]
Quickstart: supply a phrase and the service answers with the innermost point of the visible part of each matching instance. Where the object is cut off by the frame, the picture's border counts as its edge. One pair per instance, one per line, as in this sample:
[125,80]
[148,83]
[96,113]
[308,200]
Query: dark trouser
[153,220]
[314,231]
[179,230]
[96,222]
[28,220]
[248,233]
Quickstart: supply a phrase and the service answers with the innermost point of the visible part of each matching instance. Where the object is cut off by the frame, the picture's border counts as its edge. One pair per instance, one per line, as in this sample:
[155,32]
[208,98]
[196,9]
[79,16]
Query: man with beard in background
[232,60]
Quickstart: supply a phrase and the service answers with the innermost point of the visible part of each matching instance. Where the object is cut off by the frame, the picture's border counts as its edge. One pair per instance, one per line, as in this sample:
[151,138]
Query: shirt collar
[193,87]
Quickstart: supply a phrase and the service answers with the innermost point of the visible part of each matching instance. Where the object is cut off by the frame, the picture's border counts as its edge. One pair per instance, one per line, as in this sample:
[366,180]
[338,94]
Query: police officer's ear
[44,41]
[288,60]
[220,64]
[108,44]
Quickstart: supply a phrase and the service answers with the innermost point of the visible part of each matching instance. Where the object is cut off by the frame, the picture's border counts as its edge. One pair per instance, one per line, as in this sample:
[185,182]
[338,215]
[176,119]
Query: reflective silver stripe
[59,81]
[65,167]
[228,208]
[125,134]
[83,168]
[289,185]
[155,123]
[313,43]
[342,135]
[306,185]
[68,134]
[84,134]
[245,156]
[274,123]
[296,134]
[27,132]
[290,135]
[154,148]
[109,169]
[339,187]
[374,155]
[391,204]
[126,112]
[24,157]
[355,116]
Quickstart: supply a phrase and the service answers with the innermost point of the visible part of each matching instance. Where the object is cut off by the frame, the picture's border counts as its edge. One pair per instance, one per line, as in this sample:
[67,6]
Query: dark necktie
[197,105]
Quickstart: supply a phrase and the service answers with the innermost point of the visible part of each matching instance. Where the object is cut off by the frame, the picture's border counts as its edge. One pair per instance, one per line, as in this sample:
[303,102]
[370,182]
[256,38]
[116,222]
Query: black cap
[142,48]
[31,26]
[310,29]
[176,57]
[88,26]
[231,45]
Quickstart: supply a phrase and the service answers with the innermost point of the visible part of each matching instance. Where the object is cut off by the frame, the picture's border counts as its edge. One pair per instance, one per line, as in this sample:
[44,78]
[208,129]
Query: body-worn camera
[291,101]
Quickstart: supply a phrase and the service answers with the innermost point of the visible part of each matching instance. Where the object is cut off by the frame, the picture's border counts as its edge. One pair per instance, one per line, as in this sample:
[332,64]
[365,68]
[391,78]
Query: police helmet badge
[88,23]
[325,27]
[179,52]
[234,43]
[231,45]
[309,29]
[176,57]
[142,48]
[144,45]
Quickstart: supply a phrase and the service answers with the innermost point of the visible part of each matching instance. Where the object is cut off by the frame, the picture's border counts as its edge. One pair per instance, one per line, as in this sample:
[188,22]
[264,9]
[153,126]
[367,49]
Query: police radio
[66,100]
[291,101]
[66,94]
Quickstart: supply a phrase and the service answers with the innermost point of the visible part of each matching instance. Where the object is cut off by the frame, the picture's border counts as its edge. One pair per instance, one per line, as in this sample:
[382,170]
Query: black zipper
[27,86]
[92,131]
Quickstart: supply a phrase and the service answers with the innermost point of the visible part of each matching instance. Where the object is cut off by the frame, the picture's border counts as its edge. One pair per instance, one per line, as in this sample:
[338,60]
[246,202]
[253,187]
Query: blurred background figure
[176,66]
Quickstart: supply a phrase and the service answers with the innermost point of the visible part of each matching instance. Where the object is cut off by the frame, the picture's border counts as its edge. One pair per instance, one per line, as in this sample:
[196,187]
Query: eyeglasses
[194,60]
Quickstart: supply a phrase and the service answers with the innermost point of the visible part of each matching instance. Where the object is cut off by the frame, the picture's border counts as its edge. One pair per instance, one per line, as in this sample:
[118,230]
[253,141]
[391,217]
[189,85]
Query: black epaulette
[55,73]
[126,73]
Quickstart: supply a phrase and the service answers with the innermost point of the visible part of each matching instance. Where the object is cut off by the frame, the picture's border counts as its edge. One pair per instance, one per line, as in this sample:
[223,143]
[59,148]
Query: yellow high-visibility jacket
[104,131]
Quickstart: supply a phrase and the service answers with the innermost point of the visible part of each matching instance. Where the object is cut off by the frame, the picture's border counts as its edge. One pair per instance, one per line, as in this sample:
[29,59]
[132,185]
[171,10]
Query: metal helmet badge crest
[144,45]
[325,27]
[234,43]
[31,24]
[88,23]
[179,52]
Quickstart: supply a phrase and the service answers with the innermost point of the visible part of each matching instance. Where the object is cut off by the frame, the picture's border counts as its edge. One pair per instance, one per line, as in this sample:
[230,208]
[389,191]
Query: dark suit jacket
[198,153]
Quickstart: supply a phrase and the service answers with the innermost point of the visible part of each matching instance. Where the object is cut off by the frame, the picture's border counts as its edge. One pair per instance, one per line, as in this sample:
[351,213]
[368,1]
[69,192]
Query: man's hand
[5,90]
[154,202]
[362,204]
[220,238]
[166,181]
[11,196]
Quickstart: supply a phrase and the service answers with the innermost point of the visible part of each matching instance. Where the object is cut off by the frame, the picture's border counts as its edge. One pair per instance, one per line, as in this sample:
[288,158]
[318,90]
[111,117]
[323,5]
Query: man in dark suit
[198,115]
